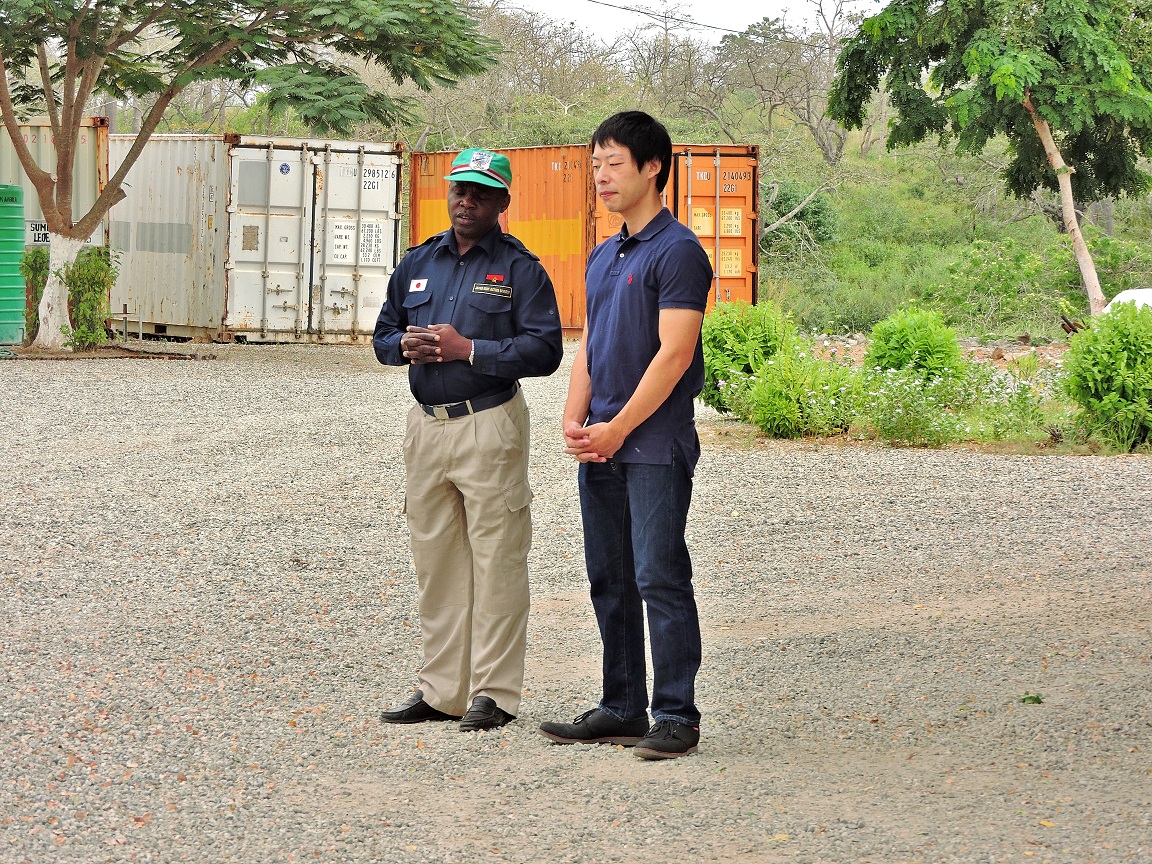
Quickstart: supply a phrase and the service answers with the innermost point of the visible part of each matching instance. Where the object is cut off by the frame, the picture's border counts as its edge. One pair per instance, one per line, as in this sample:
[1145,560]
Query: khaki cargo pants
[467,499]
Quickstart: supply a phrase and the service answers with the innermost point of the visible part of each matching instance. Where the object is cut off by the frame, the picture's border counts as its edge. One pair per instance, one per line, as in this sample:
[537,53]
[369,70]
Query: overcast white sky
[607,18]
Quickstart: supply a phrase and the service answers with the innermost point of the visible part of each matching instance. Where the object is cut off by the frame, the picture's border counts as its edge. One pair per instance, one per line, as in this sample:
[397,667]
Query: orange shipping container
[555,212]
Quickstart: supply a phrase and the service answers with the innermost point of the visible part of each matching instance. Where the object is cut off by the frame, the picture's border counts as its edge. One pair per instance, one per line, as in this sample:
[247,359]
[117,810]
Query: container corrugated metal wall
[557,215]
[90,172]
[275,239]
[707,180]
[170,231]
[551,212]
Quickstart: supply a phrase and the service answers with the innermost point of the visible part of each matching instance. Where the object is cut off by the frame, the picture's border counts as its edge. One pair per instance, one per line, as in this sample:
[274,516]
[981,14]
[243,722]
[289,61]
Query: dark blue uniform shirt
[628,281]
[497,295]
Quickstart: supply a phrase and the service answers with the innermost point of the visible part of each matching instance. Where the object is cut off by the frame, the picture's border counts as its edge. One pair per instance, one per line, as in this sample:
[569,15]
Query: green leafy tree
[55,55]
[1067,81]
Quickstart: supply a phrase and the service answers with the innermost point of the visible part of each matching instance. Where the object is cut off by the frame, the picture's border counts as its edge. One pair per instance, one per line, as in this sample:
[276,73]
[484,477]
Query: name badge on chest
[493,289]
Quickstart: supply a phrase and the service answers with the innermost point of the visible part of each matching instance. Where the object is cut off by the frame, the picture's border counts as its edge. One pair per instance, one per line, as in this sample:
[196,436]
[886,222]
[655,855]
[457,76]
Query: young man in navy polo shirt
[629,421]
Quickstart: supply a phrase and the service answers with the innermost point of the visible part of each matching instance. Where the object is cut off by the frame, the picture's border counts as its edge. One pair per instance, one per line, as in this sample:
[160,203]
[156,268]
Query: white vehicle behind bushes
[1139,296]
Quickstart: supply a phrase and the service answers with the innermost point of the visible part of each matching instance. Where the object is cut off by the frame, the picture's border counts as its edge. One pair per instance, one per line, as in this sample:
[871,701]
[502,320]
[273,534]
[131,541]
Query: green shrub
[861,283]
[914,339]
[1109,369]
[1120,264]
[737,338]
[1005,286]
[89,279]
[852,308]
[794,394]
[34,269]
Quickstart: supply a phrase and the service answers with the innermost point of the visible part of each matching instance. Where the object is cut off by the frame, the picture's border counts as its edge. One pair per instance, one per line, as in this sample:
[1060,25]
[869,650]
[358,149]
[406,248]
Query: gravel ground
[208,598]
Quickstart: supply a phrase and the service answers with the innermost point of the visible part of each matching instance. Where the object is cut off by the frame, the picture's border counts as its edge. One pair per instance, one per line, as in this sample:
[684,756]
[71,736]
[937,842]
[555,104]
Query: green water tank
[11,250]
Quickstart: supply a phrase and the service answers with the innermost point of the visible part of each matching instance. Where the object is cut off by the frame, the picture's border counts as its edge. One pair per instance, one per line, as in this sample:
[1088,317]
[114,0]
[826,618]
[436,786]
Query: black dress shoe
[596,727]
[484,714]
[668,739]
[415,710]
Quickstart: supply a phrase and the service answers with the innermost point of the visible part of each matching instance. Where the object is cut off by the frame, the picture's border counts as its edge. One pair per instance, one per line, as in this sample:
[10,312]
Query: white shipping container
[89,172]
[262,239]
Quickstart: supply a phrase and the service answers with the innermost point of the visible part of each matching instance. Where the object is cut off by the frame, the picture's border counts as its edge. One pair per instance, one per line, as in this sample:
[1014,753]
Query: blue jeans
[634,517]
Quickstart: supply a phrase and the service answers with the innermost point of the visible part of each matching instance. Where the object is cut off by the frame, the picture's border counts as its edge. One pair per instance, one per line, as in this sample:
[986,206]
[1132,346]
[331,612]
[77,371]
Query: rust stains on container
[263,239]
[89,173]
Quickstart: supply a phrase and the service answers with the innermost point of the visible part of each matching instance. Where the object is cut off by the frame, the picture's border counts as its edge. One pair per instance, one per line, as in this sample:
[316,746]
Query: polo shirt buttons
[621,254]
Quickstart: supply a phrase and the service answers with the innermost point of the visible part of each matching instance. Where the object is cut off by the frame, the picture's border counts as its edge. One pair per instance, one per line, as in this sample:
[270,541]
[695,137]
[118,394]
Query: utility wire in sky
[688,22]
[659,16]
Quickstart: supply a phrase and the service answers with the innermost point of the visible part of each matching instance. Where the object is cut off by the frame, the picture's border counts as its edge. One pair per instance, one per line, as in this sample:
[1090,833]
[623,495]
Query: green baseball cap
[481,166]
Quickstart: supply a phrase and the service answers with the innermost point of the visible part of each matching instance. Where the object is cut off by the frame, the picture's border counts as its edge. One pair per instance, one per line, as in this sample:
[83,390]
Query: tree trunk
[54,322]
[1096,301]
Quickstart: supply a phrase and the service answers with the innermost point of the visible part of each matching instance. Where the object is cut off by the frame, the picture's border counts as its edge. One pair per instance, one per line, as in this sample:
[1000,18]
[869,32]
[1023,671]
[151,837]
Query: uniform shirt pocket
[490,315]
[413,301]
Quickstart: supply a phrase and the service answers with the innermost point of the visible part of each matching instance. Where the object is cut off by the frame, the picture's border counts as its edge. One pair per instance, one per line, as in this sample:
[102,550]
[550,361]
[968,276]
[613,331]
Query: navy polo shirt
[628,281]
[498,295]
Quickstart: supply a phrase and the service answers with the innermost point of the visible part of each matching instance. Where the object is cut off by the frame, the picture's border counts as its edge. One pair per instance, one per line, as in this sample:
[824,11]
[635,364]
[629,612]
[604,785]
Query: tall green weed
[974,402]
[89,278]
[1003,286]
[1008,286]
[34,269]
[904,406]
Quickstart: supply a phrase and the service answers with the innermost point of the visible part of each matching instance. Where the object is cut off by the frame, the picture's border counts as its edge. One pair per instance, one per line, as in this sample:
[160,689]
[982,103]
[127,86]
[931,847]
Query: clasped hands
[434,344]
[596,443]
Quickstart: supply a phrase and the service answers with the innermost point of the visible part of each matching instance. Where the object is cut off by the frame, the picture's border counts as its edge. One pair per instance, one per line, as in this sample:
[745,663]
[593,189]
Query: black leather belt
[471,406]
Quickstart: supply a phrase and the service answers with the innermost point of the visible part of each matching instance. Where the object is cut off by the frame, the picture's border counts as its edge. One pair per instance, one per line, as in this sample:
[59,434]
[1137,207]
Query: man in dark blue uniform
[472,311]
[629,421]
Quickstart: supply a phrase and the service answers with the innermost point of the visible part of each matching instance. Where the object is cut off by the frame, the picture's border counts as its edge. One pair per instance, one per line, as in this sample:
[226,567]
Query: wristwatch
[472,352]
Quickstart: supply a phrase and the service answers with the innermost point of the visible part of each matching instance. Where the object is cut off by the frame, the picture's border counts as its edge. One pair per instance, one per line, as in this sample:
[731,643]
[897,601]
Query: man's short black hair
[643,135]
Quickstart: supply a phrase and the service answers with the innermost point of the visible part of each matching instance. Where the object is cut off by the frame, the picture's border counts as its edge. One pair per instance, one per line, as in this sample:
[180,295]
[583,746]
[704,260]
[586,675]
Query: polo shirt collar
[659,222]
[489,242]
